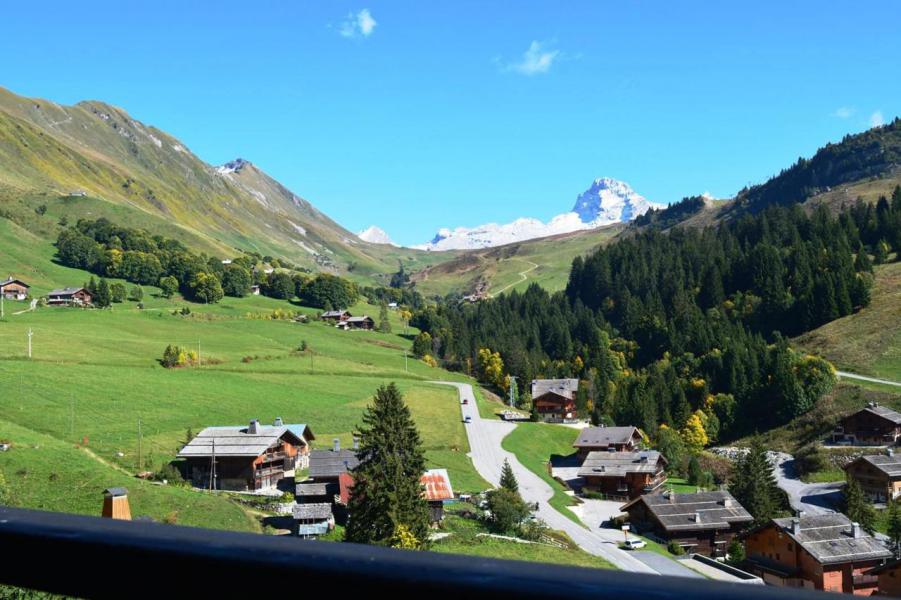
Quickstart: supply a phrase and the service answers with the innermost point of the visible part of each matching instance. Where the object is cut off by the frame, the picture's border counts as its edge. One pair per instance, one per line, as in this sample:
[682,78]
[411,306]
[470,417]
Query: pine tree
[387,492]
[857,507]
[508,478]
[103,297]
[754,485]
[384,323]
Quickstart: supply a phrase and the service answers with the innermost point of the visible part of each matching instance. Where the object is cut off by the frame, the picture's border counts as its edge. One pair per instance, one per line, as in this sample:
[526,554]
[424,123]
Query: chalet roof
[884,412]
[562,387]
[10,280]
[617,464]
[359,319]
[301,430]
[319,510]
[237,441]
[889,465]
[334,313]
[830,539]
[315,489]
[605,436]
[115,491]
[437,485]
[678,512]
[68,291]
[331,463]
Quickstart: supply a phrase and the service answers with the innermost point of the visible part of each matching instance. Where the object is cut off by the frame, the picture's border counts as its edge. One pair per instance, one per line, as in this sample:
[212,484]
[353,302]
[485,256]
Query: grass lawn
[827,476]
[534,444]
[680,486]
[465,540]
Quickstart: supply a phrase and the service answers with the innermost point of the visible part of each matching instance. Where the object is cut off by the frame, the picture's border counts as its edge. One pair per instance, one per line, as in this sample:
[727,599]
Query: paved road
[812,498]
[488,456]
[847,375]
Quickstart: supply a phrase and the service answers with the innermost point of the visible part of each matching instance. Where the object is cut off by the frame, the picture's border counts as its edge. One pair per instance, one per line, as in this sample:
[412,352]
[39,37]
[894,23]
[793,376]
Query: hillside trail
[105,462]
[522,274]
[845,374]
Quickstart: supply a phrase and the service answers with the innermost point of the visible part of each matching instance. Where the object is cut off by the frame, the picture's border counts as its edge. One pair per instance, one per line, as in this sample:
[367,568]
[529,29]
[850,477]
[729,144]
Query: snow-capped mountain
[605,202]
[375,235]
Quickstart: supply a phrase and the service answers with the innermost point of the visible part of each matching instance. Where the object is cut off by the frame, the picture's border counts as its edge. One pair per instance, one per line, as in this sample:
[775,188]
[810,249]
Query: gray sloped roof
[890,465]
[830,539]
[334,313]
[885,412]
[319,510]
[677,512]
[605,436]
[328,463]
[359,319]
[314,489]
[65,291]
[236,441]
[13,280]
[563,387]
[615,464]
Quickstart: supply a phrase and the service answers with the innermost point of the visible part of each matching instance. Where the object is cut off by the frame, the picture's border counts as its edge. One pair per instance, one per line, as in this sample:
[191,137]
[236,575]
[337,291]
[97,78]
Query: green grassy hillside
[545,261]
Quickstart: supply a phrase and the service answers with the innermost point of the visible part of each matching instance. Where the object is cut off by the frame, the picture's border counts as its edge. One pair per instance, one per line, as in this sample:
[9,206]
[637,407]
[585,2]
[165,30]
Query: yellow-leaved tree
[491,367]
[693,434]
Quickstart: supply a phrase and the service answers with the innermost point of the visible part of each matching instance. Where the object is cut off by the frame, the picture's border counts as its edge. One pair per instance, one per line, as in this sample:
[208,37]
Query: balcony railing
[91,557]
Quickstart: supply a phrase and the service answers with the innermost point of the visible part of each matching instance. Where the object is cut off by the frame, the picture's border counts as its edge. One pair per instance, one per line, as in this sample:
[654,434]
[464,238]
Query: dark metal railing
[103,558]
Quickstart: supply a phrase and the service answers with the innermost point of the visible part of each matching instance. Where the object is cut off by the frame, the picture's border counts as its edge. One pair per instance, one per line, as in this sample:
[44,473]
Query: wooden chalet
[888,578]
[14,289]
[705,522]
[437,490]
[328,465]
[594,439]
[623,475]
[364,322]
[555,399]
[873,425]
[70,296]
[822,552]
[251,458]
[335,316]
[314,492]
[312,520]
[879,475]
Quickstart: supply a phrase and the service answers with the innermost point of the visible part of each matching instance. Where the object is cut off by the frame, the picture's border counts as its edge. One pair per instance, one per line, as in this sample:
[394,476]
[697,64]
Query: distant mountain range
[375,235]
[605,202]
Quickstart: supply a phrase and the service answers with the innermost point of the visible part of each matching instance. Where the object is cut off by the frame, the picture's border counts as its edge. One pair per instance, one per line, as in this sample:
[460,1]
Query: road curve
[846,375]
[485,437]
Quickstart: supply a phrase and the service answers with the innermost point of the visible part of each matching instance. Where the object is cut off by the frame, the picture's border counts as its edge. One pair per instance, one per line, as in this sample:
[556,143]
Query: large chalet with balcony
[704,522]
[250,458]
[879,475]
[595,439]
[822,552]
[873,425]
[14,289]
[623,475]
[555,399]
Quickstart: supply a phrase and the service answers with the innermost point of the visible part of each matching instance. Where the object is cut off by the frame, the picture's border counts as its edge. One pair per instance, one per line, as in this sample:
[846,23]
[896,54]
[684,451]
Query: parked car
[634,544]
[467,419]
[465,400]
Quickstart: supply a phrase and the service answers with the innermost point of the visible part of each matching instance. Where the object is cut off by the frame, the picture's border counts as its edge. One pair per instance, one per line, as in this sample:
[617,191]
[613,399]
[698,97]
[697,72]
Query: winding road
[846,375]
[485,437]
[522,275]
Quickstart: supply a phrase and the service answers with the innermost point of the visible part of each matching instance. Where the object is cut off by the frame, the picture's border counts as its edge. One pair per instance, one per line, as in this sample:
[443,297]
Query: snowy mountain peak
[375,235]
[232,166]
[605,202]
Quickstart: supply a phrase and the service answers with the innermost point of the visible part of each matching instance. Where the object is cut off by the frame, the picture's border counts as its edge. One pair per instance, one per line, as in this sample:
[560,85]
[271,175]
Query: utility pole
[1,303]
[405,361]
[513,390]
[199,361]
[213,467]
[30,333]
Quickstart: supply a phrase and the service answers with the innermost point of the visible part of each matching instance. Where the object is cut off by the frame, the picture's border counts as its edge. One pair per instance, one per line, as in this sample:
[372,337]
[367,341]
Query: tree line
[685,329]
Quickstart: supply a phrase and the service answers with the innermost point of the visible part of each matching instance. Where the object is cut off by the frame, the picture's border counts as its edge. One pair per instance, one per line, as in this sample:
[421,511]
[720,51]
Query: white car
[467,419]
[634,544]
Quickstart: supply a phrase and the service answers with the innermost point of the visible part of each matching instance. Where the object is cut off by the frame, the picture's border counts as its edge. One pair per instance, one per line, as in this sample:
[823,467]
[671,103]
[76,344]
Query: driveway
[488,456]
[665,565]
[812,498]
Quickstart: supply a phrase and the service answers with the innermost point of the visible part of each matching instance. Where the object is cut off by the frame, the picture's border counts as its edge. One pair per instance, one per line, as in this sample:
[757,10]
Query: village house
[437,490]
[705,522]
[316,492]
[14,289]
[363,322]
[335,316]
[623,475]
[70,296]
[873,425]
[554,399]
[312,520]
[823,552]
[255,290]
[593,439]
[328,465]
[888,578]
[251,458]
[879,475]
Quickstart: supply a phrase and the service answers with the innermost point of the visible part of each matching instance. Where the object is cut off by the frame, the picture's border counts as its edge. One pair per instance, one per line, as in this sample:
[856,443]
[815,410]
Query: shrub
[675,549]
[736,552]
[117,292]
[429,360]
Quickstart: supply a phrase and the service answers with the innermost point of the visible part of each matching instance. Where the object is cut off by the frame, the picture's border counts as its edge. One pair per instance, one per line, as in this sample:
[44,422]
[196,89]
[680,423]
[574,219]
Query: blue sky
[417,115]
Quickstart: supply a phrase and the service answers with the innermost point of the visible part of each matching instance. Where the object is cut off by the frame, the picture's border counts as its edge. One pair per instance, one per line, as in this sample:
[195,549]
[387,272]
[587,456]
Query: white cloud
[537,59]
[844,112]
[358,24]
[876,119]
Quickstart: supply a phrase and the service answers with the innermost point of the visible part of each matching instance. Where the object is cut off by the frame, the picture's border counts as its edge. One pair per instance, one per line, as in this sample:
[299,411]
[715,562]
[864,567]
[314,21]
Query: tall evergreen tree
[384,323]
[103,296]
[754,484]
[508,478]
[894,527]
[387,494]
[857,507]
